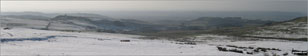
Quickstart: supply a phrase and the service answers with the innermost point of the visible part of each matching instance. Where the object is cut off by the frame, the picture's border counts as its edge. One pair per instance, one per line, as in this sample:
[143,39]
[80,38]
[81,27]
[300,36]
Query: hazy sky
[197,5]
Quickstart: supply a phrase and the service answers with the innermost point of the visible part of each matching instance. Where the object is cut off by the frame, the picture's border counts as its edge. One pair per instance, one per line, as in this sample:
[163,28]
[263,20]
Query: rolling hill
[295,28]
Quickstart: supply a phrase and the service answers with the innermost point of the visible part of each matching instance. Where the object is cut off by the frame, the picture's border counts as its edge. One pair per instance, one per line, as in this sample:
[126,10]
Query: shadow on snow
[30,39]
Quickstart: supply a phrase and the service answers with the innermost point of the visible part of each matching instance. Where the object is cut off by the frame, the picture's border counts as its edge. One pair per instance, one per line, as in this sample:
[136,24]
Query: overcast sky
[206,5]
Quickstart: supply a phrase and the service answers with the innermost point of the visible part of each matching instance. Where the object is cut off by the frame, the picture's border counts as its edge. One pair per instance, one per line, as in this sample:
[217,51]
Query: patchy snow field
[31,42]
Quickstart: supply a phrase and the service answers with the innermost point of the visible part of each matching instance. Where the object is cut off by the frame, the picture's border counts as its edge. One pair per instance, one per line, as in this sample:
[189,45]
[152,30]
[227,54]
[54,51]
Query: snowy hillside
[77,22]
[19,22]
[80,35]
[38,24]
[22,41]
[37,20]
[73,43]
[296,28]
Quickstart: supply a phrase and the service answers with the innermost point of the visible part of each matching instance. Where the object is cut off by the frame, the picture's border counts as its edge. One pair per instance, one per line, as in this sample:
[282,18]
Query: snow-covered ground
[21,41]
[74,43]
